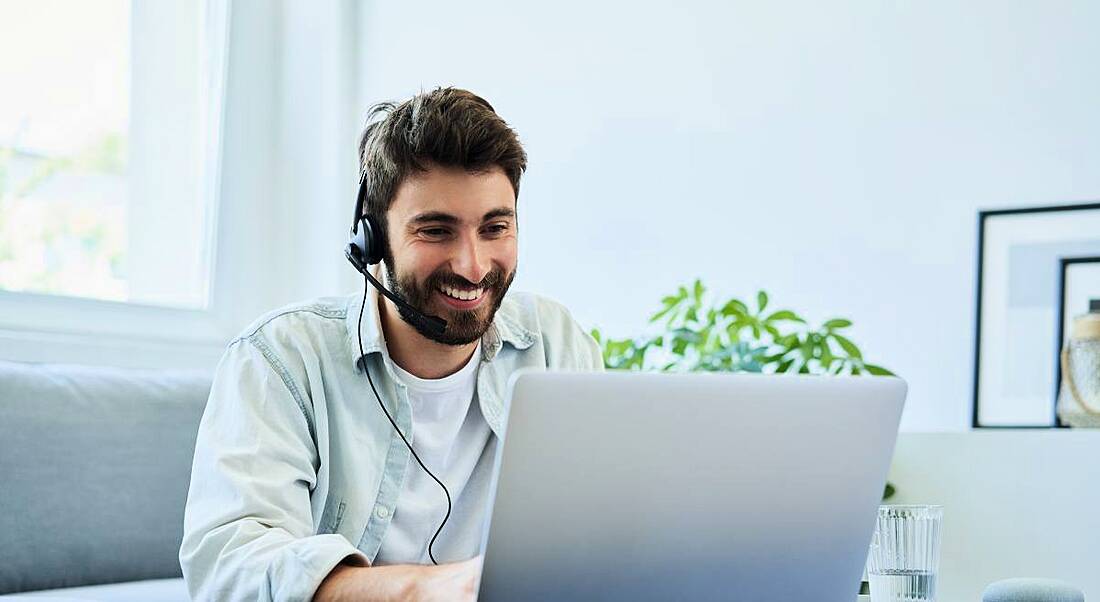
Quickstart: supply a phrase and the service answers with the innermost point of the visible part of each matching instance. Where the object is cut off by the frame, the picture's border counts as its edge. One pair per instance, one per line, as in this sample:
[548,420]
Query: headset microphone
[436,326]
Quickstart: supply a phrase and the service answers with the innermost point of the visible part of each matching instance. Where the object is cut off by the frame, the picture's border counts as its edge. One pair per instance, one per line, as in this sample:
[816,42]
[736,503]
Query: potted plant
[696,334]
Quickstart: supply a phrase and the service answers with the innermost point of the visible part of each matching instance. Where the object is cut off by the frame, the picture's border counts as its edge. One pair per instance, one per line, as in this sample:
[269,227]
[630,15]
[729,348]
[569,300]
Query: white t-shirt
[454,441]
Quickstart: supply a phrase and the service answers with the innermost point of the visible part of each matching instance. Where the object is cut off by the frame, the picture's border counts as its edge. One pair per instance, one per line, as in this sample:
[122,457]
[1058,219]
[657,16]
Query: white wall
[834,154]
[1016,503]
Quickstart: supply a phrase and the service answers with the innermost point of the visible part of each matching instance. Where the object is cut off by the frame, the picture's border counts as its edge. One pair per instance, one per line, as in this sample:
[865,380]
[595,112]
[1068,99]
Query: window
[108,139]
[150,269]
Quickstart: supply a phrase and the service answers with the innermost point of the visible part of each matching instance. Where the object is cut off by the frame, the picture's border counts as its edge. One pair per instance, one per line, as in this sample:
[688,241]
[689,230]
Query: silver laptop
[635,486]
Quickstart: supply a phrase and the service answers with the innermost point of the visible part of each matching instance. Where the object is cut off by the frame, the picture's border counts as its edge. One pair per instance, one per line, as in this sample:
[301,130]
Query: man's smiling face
[453,247]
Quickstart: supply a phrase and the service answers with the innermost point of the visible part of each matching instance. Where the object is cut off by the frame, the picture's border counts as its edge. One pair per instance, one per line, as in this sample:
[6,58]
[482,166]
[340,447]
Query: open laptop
[639,486]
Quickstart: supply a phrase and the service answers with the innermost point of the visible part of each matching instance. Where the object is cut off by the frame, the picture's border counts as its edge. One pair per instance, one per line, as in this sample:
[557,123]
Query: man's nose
[471,261]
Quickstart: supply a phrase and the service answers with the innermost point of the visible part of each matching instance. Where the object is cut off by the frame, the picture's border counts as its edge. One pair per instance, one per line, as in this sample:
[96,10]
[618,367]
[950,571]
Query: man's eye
[498,228]
[434,231]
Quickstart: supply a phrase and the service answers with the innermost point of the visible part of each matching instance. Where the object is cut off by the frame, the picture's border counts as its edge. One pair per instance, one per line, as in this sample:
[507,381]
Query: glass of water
[905,554]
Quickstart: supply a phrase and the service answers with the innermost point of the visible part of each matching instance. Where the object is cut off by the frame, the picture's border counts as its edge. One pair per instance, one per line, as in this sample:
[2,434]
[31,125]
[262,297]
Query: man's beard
[463,326]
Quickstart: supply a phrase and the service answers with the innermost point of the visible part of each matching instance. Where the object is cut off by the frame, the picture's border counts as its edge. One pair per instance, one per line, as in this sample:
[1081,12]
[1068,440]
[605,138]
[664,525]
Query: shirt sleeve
[248,527]
[594,353]
[582,352]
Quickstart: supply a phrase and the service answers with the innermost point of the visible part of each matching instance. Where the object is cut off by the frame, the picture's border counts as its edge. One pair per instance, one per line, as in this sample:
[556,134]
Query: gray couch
[94,469]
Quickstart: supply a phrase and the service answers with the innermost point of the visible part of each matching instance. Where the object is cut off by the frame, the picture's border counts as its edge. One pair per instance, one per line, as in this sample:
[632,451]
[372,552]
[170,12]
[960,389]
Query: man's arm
[248,525]
[446,582]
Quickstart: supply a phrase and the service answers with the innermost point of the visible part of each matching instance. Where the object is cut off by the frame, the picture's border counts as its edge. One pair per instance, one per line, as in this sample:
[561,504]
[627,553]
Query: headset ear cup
[355,250]
[373,240]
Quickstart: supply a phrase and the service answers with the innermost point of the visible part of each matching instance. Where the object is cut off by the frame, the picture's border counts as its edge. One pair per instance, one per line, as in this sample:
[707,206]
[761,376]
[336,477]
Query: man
[301,487]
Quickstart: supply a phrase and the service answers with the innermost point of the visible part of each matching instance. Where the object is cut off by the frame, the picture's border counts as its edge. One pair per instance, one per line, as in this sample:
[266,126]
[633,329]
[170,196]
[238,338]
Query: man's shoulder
[300,319]
[544,318]
[564,343]
[534,312]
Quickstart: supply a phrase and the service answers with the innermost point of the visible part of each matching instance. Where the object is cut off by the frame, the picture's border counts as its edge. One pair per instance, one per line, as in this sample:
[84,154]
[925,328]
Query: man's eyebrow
[499,212]
[434,216]
[447,218]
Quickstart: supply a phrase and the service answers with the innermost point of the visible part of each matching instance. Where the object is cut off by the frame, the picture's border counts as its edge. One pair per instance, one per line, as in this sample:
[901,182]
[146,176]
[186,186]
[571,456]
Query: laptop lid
[649,486]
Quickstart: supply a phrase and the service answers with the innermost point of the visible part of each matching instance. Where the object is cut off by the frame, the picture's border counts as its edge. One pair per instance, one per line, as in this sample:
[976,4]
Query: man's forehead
[454,196]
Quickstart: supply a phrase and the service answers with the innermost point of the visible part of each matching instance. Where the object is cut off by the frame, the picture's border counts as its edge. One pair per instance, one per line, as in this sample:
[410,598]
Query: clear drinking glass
[905,554]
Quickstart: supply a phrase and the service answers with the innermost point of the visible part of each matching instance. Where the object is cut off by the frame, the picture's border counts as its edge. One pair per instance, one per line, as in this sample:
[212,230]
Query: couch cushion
[157,590]
[95,465]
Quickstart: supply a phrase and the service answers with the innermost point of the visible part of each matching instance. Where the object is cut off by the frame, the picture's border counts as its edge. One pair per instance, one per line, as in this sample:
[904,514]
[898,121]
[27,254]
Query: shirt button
[382,512]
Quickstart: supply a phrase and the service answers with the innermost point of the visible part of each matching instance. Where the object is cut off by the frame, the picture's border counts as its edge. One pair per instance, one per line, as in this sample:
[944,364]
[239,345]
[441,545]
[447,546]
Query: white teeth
[463,295]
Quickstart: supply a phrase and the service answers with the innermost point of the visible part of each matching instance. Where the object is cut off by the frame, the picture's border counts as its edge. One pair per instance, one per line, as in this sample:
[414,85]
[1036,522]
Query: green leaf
[877,370]
[734,307]
[784,315]
[827,357]
[889,492]
[761,300]
[837,323]
[807,350]
[848,346]
[661,313]
[772,359]
[789,341]
[704,338]
[699,289]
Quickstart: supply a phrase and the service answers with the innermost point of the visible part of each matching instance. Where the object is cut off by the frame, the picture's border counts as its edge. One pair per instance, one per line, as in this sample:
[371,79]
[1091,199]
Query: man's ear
[384,225]
[383,275]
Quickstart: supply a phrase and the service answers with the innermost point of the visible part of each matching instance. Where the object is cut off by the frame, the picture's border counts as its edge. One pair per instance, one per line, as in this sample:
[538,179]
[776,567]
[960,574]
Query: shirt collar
[508,326]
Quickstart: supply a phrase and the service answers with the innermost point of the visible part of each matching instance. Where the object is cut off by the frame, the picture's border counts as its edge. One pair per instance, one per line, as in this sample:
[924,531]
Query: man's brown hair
[449,127]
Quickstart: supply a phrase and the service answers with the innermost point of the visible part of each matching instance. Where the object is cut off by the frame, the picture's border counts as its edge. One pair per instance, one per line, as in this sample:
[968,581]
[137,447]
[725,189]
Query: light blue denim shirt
[295,465]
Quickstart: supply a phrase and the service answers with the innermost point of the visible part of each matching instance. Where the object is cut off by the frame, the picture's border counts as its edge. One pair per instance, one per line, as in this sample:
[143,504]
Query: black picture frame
[983,218]
[1063,268]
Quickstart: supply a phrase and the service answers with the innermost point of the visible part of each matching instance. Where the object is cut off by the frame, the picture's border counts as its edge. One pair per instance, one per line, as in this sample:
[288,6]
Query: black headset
[366,248]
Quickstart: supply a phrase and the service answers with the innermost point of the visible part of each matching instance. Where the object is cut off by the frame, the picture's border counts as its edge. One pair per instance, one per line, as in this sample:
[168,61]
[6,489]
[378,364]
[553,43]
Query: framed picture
[1018,330]
[1078,285]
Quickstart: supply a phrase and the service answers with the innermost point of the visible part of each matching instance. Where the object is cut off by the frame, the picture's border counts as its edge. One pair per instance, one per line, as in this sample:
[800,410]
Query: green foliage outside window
[69,244]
